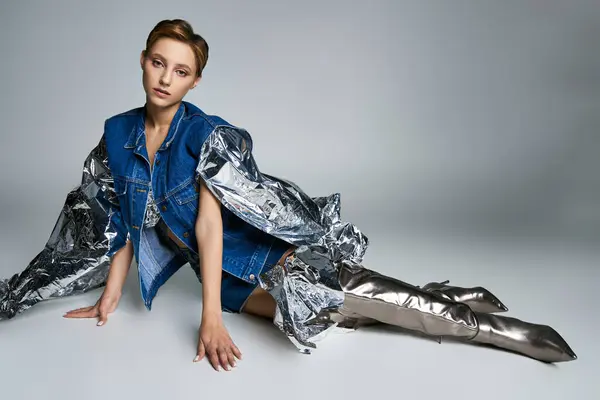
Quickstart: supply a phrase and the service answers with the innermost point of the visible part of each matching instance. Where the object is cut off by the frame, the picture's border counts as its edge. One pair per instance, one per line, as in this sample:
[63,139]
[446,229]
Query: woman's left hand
[215,343]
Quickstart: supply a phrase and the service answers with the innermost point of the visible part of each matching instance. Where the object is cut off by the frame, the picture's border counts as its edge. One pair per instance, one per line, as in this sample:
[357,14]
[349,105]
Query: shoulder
[126,115]
[122,119]
[197,116]
[202,124]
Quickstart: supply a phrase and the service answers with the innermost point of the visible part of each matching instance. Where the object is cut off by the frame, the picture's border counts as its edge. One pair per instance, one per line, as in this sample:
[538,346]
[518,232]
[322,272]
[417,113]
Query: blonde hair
[181,30]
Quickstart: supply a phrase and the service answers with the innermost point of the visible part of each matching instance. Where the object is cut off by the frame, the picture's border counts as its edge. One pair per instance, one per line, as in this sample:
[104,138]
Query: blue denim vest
[176,192]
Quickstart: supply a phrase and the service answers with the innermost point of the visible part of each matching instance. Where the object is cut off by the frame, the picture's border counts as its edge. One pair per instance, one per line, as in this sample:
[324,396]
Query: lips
[161,91]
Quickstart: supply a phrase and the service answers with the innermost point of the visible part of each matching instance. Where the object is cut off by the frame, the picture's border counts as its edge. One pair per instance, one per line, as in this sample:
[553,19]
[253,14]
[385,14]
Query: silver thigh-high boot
[479,299]
[391,301]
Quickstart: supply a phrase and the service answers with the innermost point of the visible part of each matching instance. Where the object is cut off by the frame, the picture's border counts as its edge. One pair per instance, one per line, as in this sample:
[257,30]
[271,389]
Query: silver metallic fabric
[540,342]
[478,298]
[274,205]
[392,301]
[301,296]
[74,259]
[152,214]
[308,285]
[322,285]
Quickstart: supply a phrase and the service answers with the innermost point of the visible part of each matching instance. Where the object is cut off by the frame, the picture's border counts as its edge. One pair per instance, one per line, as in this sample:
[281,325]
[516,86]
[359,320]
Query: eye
[156,63]
[183,73]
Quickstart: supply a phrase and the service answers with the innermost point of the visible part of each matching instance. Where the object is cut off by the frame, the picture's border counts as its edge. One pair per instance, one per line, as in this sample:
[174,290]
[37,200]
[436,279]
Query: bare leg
[261,303]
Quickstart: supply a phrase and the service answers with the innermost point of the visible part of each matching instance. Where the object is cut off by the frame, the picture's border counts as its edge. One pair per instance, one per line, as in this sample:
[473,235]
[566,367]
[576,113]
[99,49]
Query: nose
[165,78]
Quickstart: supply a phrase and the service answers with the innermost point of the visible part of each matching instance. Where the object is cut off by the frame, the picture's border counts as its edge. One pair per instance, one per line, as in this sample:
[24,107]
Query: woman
[186,189]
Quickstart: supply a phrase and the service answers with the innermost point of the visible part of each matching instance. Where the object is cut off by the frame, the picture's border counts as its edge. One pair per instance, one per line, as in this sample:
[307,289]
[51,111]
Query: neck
[159,118]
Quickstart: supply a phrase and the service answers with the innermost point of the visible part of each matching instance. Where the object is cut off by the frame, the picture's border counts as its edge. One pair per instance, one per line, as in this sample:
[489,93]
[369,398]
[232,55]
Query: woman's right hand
[106,304]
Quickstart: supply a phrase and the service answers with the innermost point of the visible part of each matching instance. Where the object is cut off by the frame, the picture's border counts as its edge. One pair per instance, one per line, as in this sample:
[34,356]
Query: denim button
[251,277]
[185,234]
[164,208]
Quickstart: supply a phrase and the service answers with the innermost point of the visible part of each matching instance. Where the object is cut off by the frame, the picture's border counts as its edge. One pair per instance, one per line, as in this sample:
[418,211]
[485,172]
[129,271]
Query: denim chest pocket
[186,200]
[187,193]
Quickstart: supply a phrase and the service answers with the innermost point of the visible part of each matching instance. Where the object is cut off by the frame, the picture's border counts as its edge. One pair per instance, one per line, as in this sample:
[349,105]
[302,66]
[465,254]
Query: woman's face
[169,67]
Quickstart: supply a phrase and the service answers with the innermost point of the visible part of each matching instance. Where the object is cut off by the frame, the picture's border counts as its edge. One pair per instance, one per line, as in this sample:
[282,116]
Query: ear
[142,56]
[197,81]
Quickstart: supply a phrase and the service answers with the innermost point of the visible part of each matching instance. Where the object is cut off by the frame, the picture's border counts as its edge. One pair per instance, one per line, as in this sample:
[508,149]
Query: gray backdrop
[449,118]
[437,114]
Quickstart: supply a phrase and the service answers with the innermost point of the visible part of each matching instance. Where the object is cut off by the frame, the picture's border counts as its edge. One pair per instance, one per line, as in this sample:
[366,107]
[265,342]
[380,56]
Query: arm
[119,248]
[214,340]
[119,268]
[108,301]
[209,234]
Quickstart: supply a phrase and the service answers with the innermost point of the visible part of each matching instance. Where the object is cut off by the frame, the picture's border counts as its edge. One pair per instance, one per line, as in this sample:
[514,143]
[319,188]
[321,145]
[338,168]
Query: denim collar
[137,132]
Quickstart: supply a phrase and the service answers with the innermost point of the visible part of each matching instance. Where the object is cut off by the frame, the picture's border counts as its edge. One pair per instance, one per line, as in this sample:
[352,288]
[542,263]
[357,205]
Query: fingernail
[100,323]
[197,358]
[228,368]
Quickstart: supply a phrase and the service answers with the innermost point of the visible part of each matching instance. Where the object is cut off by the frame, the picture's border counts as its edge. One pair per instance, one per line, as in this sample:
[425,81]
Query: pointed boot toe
[536,341]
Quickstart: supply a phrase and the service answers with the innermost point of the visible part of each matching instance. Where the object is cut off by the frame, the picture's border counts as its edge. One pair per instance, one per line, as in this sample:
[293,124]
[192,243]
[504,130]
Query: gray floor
[149,355]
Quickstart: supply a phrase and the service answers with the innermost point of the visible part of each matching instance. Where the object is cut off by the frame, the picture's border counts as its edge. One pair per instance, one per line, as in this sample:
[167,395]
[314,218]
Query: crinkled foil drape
[74,259]
[306,291]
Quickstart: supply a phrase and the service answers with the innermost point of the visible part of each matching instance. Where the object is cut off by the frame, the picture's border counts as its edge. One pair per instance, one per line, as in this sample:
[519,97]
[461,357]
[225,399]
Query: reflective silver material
[301,296]
[152,214]
[322,285]
[74,259]
[392,301]
[308,286]
[536,341]
[226,164]
[277,206]
[478,298]
[345,318]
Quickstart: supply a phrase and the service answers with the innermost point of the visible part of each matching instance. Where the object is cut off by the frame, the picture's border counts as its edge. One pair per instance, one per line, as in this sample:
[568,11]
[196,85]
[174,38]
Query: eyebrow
[164,59]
